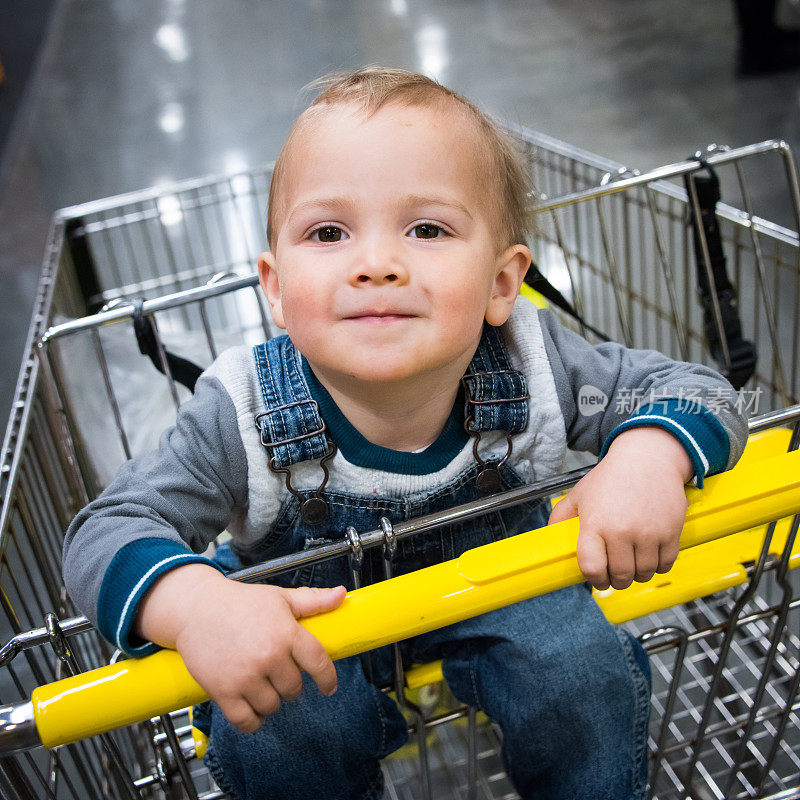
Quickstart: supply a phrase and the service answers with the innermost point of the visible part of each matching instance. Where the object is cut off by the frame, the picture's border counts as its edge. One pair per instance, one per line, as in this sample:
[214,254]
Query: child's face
[386,259]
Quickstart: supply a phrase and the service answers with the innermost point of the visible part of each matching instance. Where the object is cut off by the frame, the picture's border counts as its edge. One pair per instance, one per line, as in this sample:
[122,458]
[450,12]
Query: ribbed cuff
[129,577]
[696,428]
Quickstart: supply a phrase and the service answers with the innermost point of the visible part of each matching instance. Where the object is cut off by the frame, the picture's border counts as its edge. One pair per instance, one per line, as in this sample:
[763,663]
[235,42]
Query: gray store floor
[131,94]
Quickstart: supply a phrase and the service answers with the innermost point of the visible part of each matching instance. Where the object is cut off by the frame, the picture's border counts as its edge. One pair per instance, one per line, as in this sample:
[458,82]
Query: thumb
[566,508]
[593,559]
[305,602]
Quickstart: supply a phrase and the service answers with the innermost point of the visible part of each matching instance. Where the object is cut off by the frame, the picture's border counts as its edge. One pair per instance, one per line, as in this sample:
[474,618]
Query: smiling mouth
[379,316]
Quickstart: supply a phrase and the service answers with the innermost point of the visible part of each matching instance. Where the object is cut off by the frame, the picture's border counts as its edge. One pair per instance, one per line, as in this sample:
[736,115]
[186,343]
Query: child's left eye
[328,234]
[427,230]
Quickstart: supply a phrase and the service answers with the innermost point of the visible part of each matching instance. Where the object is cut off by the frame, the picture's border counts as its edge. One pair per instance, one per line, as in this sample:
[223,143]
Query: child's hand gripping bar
[481,580]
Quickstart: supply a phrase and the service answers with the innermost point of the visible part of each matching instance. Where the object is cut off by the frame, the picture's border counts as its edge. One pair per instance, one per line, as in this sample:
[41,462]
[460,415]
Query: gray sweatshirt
[210,470]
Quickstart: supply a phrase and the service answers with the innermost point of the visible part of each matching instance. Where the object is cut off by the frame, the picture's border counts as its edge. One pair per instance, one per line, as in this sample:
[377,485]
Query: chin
[384,374]
[385,369]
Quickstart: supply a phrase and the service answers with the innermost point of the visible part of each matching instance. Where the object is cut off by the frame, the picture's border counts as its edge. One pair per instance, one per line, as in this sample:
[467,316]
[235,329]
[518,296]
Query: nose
[378,265]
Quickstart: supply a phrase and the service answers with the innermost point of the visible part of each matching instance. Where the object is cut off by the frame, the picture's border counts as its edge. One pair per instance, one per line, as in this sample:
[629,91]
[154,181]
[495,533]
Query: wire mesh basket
[618,245]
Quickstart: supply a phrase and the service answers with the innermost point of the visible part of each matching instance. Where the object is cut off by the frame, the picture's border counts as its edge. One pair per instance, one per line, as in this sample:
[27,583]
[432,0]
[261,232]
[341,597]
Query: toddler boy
[396,228]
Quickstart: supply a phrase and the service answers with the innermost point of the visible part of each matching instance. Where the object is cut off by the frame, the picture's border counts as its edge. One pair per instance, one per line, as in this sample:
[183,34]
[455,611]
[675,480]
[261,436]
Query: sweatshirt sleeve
[160,512]
[606,389]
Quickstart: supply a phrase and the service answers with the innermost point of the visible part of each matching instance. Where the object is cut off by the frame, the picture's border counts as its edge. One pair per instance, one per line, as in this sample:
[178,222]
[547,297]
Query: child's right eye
[328,233]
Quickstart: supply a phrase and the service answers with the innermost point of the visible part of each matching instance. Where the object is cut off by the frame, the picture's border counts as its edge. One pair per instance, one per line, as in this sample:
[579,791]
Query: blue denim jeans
[569,691]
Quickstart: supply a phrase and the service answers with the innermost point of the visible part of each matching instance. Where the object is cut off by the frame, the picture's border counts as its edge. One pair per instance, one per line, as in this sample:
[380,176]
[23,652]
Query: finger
[310,656]
[305,602]
[646,557]
[241,715]
[566,508]
[621,562]
[593,559]
[263,699]
[667,554]
[287,680]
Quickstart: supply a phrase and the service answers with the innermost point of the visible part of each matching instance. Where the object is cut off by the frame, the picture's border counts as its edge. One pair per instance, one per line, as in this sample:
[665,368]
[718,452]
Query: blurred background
[102,97]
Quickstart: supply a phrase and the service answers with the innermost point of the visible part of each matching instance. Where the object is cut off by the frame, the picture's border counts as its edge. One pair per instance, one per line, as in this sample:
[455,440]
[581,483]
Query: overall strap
[495,395]
[291,428]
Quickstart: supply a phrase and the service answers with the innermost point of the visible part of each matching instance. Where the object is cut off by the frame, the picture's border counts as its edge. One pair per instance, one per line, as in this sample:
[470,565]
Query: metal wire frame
[34,475]
[623,251]
[164,240]
[650,306]
[173,239]
[159,241]
[682,686]
[749,657]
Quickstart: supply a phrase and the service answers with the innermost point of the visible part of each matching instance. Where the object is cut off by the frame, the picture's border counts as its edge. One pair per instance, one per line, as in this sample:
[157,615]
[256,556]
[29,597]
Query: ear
[268,278]
[510,269]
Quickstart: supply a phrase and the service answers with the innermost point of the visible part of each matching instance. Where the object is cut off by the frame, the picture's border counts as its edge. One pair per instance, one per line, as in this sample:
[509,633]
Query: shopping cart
[623,250]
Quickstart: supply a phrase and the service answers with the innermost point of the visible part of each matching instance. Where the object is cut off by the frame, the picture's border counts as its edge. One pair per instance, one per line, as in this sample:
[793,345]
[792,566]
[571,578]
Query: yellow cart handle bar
[481,580]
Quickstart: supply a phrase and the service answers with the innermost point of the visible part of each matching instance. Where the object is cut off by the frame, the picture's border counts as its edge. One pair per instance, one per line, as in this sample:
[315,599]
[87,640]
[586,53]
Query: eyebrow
[341,204]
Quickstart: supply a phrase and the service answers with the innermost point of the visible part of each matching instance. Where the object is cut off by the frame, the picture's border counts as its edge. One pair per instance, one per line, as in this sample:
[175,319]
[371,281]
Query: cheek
[465,300]
[291,302]
[462,320]
[303,310]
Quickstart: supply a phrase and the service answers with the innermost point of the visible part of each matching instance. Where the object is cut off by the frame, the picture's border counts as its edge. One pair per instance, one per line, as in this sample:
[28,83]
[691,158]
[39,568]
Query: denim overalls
[569,691]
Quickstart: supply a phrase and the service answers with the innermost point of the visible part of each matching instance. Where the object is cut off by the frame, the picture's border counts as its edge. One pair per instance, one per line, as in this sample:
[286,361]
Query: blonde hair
[374,87]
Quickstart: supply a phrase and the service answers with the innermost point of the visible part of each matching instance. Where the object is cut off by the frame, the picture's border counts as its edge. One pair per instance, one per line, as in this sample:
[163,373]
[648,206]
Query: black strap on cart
[742,352]
[183,371]
[83,264]
[538,282]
